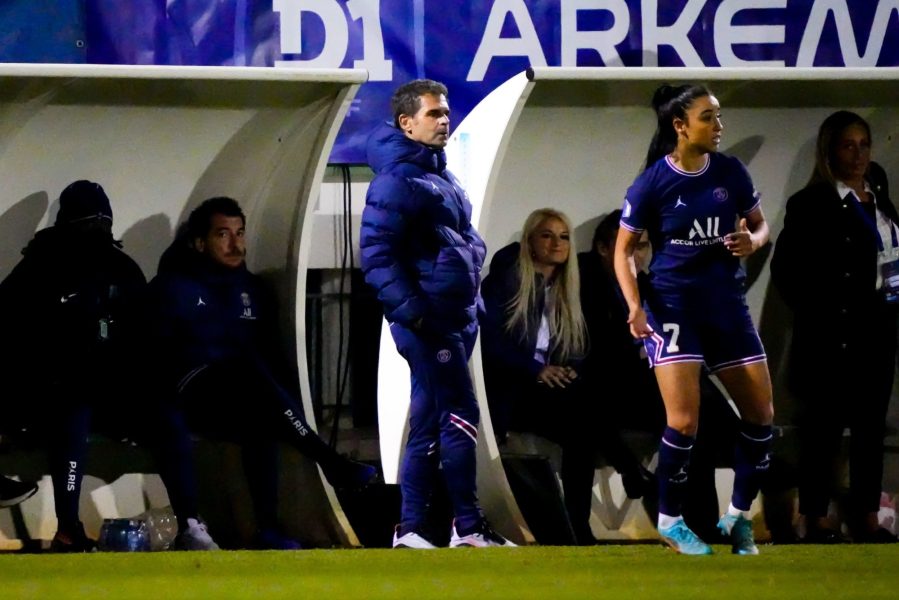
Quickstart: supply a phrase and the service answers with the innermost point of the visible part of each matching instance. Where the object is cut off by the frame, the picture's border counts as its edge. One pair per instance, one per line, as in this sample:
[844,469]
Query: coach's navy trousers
[443,425]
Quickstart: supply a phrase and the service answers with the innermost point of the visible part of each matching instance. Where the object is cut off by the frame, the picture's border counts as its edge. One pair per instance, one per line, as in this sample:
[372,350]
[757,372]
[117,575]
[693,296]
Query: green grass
[625,572]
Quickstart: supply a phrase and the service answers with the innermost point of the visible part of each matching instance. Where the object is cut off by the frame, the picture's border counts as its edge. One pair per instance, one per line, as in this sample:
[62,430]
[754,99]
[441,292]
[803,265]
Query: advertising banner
[475,46]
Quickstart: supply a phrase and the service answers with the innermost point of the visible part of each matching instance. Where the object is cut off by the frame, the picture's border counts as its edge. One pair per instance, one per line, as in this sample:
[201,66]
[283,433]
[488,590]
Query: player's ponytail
[670,102]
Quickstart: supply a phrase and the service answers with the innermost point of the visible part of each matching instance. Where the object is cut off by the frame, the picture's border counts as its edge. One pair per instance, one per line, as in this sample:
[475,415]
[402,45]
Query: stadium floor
[629,572]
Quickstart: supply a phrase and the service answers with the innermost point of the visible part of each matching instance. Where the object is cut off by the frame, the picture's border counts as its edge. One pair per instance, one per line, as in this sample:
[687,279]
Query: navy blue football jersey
[688,216]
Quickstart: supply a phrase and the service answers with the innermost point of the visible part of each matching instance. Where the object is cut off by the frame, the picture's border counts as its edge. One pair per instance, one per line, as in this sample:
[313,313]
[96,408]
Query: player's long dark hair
[670,102]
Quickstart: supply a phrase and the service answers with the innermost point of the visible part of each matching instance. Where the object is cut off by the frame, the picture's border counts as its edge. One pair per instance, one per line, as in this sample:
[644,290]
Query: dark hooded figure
[71,304]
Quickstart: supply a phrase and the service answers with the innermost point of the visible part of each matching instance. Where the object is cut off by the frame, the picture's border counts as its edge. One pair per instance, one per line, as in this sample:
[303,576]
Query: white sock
[667,521]
[736,512]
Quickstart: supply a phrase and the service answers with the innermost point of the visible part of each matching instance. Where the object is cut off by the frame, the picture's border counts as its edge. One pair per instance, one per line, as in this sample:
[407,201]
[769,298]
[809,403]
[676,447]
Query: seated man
[12,491]
[214,335]
[70,305]
[618,370]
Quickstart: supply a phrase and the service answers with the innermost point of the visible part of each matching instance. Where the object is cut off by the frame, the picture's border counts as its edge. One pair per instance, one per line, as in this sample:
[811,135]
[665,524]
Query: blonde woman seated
[534,341]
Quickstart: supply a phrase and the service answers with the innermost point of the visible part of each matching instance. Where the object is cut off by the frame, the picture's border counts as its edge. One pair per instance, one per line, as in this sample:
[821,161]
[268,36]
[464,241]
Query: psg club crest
[720,194]
[247,309]
[444,356]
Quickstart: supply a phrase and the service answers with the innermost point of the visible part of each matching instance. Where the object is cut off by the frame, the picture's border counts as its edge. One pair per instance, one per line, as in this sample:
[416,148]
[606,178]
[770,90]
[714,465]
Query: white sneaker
[410,539]
[195,537]
[482,536]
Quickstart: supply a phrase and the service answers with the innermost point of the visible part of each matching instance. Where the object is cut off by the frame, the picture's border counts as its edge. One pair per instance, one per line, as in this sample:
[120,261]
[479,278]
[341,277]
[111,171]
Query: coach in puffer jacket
[419,249]
[422,255]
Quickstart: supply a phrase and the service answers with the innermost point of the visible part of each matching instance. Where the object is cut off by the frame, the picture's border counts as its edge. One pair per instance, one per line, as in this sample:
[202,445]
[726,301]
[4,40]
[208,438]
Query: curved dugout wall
[574,139]
[163,139]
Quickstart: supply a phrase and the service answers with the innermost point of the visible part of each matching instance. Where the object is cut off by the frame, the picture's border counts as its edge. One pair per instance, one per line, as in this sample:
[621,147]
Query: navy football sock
[752,456]
[674,458]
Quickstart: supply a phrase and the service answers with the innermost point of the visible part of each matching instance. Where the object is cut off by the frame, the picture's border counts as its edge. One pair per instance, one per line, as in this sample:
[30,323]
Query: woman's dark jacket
[825,268]
[509,364]
[509,350]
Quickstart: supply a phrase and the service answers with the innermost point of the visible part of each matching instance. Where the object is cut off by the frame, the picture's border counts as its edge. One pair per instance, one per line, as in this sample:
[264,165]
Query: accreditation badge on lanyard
[887,257]
[890,273]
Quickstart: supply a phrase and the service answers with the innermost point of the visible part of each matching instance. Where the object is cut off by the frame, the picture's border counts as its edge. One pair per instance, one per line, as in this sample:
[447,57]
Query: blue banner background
[441,39]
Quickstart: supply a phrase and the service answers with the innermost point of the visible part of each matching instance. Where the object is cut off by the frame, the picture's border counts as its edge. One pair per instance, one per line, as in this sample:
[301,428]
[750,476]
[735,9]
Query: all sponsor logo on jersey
[702,234]
[711,228]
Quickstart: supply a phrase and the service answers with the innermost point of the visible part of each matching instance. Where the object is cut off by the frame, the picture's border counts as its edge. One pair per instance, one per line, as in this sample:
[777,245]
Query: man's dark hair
[200,220]
[406,99]
[605,232]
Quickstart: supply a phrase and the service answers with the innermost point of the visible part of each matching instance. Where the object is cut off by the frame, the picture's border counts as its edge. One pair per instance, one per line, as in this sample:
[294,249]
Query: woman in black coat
[839,233]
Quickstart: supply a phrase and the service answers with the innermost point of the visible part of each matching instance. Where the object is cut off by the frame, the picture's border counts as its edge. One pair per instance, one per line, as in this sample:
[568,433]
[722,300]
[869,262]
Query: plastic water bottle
[162,527]
[124,535]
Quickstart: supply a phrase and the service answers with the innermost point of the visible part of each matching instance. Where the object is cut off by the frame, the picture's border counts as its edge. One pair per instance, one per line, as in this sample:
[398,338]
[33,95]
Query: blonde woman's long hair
[568,332]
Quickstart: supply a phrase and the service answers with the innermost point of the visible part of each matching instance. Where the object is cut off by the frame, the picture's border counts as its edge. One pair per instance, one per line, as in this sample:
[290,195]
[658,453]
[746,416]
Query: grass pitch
[625,572]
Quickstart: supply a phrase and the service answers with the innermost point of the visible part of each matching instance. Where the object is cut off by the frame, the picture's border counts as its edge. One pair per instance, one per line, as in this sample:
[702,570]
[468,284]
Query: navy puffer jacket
[419,249]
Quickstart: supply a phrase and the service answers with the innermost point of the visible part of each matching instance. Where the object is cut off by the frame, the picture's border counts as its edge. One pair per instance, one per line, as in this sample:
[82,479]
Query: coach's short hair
[406,99]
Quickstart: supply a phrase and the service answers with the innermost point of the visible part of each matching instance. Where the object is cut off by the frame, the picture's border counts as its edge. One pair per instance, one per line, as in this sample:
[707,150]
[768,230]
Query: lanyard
[871,222]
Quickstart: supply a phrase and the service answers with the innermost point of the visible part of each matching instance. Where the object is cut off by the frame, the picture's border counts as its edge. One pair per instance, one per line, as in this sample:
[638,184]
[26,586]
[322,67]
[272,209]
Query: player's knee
[759,413]
[685,424]
[768,414]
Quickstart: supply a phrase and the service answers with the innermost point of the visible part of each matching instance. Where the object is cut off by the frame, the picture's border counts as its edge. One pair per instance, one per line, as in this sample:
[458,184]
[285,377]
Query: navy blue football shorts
[720,334]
